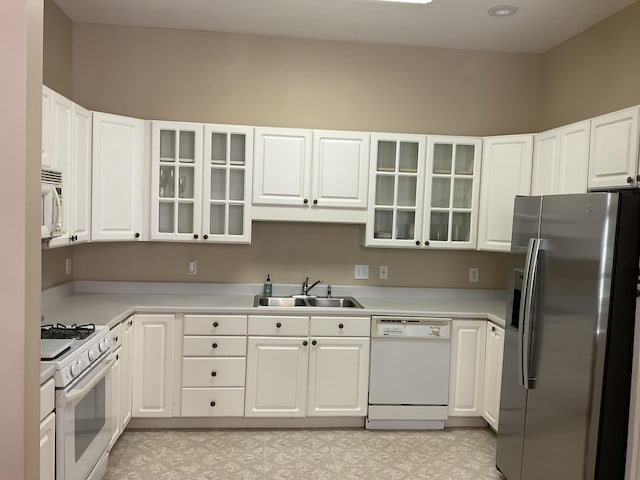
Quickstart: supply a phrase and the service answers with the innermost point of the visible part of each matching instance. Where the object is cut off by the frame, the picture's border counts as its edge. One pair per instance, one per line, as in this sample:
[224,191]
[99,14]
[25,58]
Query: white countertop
[82,302]
[46,372]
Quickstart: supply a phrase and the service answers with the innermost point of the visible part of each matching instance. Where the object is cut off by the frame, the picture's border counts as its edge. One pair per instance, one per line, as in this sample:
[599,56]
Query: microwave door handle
[528,312]
[522,312]
[57,206]
[97,377]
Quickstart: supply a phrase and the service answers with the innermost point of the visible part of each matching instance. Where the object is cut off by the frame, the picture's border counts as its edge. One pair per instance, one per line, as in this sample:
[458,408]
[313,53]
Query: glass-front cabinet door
[176,181]
[396,184]
[228,158]
[452,191]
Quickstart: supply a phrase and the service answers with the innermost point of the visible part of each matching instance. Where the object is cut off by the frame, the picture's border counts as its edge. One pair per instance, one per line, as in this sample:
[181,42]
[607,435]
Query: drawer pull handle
[313,342]
[340,326]
[213,374]
[214,345]
[278,325]
[213,404]
[115,339]
[305,343]
[215,324]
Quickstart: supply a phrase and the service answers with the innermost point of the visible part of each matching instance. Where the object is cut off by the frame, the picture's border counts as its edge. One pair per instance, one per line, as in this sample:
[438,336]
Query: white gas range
[80,355]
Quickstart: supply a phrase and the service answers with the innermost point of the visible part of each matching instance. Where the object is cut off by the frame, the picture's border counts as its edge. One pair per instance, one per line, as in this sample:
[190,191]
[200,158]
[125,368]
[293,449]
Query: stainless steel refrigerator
[568,351]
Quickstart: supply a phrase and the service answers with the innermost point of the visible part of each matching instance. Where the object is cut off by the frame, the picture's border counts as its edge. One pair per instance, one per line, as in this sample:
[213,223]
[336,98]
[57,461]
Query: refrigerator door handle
[522,315]
[528,312]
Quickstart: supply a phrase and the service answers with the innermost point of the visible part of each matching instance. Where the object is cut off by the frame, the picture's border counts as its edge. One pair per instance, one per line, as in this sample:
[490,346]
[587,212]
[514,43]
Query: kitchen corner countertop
[72,305]
[46,372]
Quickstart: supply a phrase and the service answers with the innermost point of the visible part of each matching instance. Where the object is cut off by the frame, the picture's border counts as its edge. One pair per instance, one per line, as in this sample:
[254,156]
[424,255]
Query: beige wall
[58,36]
[289,252]
[53,266]
[595,72]
[259,80]
[20,96]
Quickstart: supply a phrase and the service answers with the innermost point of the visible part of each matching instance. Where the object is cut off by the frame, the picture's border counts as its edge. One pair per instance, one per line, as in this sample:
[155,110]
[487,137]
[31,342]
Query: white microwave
[52,207]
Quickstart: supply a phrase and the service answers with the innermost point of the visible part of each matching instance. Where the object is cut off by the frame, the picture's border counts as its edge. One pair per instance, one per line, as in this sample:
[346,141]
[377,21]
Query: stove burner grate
[73,332]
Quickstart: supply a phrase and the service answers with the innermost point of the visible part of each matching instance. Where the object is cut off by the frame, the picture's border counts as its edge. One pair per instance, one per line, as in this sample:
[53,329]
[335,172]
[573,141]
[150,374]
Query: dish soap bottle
[267,288]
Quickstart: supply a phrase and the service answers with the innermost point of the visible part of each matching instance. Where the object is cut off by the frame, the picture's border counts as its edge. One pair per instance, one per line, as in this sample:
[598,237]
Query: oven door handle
[97,377]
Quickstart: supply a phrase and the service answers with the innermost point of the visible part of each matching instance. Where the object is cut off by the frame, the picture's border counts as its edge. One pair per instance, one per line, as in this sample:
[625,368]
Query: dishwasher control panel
[411,327]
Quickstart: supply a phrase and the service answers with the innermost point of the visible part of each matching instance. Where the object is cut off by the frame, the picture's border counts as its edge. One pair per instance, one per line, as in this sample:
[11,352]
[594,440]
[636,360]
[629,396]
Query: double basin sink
[310,301]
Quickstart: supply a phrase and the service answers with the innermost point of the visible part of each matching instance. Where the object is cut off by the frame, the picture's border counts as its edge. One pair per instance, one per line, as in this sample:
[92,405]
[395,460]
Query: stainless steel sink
[333,302]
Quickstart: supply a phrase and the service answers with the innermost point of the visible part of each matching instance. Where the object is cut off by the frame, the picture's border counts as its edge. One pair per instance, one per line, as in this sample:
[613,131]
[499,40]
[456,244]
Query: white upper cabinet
[227,167]
[613,157]
[396,187]
[340,168]
[506,172]
[561,160]
[47,132]
[283,166]
[81,159]
[310,175]
[118,190]
[452,192]
[176,180]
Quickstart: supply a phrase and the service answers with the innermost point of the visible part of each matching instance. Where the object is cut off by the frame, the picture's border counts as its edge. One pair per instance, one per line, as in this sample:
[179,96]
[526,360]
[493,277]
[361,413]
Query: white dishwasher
[409,372]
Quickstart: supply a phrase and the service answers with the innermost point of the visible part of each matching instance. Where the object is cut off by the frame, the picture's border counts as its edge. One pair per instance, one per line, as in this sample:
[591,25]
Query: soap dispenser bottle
[267,288]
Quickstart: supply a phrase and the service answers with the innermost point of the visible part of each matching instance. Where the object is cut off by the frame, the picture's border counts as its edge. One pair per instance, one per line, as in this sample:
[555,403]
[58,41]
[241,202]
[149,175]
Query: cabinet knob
[305,343]
[278,325]
[215,324]
[493,329]
[213,374]
[195,235]
[315,202]
[117,357]
[205,236]
[213,404]
[637,178]
[137,235]
[426,243]
[115,339]
[340,326]
[214,345]
[313,342]
[418,242]
[305,201]
[629,179]
[130,322]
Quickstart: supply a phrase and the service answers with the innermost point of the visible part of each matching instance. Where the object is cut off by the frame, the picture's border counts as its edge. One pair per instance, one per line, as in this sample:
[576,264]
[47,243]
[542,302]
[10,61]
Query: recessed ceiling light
[502,10]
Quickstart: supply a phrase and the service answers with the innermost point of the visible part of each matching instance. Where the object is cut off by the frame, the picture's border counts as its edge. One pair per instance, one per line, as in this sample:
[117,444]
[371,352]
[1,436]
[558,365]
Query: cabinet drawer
[213,372]
[116,336]
[340,326]
[47,401]
[214,346]
[215,324]
[212,402]
[278,326]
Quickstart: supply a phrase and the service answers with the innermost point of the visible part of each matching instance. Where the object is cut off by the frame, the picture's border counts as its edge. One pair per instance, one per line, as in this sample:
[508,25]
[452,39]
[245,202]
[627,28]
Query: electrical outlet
[192,267]
[361,272]
[474,274]
[67,266]
[384,272]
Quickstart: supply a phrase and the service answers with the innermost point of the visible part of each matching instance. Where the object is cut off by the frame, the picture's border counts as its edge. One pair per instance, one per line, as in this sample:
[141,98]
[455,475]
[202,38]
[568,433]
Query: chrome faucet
[306,288]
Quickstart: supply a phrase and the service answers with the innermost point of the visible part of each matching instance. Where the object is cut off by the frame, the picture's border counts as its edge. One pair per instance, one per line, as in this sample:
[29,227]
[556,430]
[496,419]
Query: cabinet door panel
[506,172]
[338,377]
[117,194]
[468,338]
[48,448]
[340,169]
[47,132]
[282,167]
[127,373]
[212,402]
[574,158]
[81,209]
[493,375]
[613,156]
[116,392]
[546,156]
[276,377]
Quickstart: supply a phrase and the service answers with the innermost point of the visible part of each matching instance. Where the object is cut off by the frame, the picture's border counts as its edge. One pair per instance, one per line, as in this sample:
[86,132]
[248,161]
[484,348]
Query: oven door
[83,422]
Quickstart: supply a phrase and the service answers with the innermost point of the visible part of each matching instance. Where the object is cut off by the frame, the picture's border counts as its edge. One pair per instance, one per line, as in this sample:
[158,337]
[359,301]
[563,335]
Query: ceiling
[537,26]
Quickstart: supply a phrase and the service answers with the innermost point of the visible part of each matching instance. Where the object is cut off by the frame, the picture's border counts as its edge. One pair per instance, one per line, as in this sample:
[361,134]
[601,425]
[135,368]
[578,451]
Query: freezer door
[568,335]
[513,395]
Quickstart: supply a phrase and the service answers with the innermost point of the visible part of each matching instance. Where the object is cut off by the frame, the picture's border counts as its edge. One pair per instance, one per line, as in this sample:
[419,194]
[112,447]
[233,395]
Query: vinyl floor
[314,454]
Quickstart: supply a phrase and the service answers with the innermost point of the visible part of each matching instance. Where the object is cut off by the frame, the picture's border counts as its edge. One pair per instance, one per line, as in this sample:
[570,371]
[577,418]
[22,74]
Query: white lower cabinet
[493,375]
[116,388]
[213,365]
[153,365]
[47,431]
[468,338]
[121,377]
[317,366]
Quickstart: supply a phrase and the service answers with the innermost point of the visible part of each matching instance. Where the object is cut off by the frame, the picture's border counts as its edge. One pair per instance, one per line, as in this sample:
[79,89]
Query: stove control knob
[103,345]
[77,368]
[92,355]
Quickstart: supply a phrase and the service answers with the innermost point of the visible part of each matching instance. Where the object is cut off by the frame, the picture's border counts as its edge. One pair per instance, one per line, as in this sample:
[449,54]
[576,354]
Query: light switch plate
[474,274]
[192,267]
[384,272]
[67,266]
[361,272]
